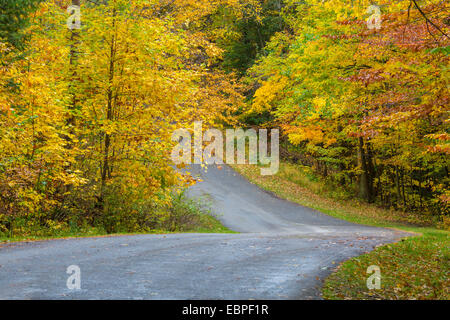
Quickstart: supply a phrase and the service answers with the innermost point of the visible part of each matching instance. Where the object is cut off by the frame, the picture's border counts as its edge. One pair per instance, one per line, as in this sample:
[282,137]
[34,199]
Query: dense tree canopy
[86,115]
[87,128]
[367,105]
[14,19]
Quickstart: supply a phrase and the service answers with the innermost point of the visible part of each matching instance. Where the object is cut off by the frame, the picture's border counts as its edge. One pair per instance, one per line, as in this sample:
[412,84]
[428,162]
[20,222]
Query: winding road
[283,251]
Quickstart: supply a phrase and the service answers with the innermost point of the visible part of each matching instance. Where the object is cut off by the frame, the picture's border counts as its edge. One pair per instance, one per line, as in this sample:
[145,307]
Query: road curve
[283,251]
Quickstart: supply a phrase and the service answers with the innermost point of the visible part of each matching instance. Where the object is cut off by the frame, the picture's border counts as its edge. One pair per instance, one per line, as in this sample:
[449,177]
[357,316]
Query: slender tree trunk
[403,188]
[371,172]
[70,118]
[109,116]
[74,41]
[364,183]
[397,184]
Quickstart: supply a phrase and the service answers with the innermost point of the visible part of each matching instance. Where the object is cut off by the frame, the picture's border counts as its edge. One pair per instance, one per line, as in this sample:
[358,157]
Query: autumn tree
[89,135]
[367,106]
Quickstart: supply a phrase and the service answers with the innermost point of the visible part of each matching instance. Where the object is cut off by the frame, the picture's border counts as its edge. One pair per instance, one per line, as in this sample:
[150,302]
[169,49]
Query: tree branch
[428,20]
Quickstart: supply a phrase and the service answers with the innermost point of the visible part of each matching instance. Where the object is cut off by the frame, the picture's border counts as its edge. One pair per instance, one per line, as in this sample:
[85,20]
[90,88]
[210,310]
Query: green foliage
[14,19]
[179,214]
[175,214]
[250,34]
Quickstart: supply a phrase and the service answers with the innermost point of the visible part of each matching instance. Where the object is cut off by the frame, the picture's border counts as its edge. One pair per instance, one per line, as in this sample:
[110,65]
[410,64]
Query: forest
[89,99]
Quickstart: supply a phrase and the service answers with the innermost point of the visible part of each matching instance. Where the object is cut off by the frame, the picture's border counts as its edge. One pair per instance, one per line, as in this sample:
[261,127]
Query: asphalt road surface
[283,251]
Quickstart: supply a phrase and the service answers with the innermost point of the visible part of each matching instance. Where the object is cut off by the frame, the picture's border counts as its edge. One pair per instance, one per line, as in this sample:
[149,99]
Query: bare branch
[428,20]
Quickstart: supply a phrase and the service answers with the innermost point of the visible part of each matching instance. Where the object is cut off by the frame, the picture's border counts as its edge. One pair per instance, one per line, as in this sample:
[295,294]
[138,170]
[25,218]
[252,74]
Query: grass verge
[414,268]
[185,215]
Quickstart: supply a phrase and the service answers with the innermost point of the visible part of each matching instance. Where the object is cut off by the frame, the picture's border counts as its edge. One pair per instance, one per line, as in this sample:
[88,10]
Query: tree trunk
[109,116]
[364,178]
